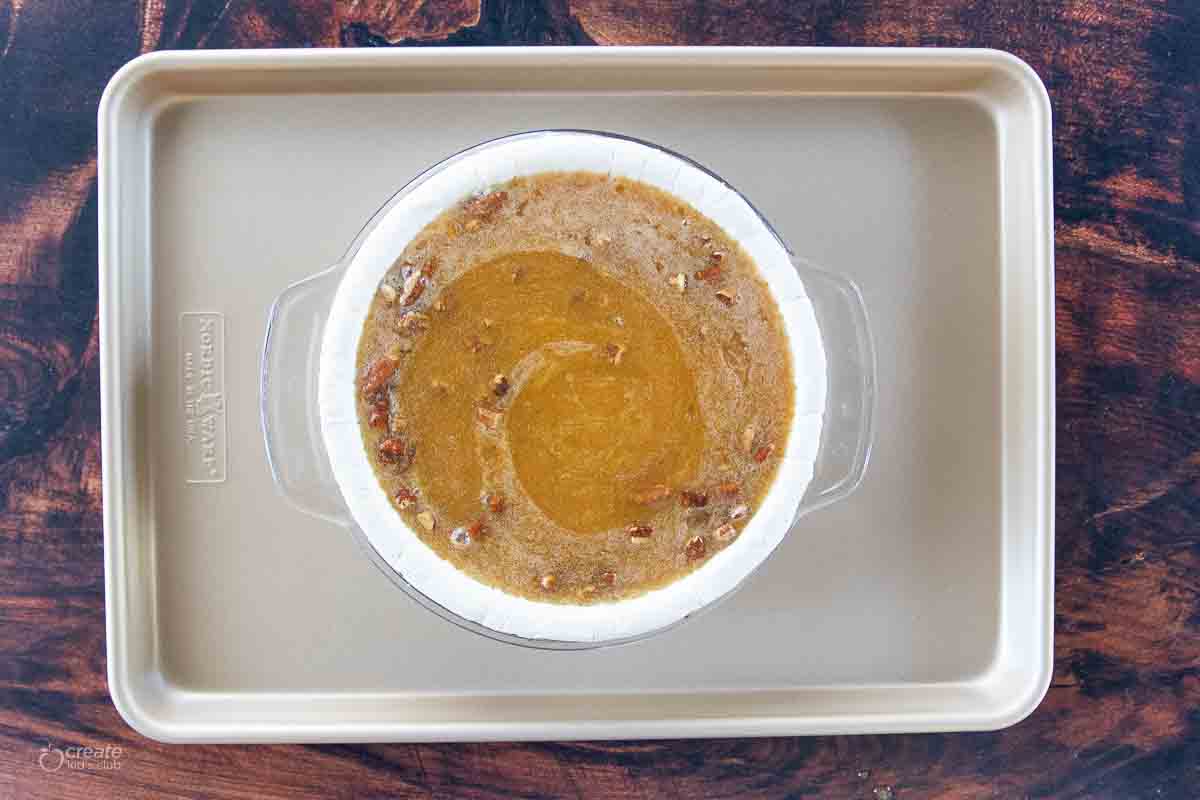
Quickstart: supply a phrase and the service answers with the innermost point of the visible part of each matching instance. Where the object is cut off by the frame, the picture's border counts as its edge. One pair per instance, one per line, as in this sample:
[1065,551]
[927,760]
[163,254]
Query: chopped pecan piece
[614,353]
[728,298]
[692,499]
[763,453]
[695,548]
[488,418]
[500,386]
[477,529]
[486,206]
[378,375]
[413,321]
[380,411]
[639,533]
[607,578]
[651,494]
[725,532]
[739,512]
[394,450]
[405,498]
[494,502]
[748,438]
[427,520]
[414,285]
[712,272]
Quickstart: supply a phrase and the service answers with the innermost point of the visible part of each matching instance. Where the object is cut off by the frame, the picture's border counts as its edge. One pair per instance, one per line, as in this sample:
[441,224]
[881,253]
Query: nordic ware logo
[202,361]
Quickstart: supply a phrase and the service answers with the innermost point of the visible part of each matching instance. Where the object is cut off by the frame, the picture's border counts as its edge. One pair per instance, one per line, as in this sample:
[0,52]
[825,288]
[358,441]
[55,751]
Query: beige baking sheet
[921,603]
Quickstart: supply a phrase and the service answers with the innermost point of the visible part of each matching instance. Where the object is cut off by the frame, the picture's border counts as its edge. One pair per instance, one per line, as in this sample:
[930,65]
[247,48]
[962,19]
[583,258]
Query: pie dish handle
[288,395]
[848,430]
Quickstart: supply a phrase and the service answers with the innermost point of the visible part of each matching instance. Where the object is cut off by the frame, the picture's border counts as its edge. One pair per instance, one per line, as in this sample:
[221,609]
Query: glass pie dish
[318,461]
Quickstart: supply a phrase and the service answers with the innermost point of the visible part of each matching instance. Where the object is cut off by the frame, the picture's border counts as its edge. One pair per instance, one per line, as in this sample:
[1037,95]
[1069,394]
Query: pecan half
[692,499]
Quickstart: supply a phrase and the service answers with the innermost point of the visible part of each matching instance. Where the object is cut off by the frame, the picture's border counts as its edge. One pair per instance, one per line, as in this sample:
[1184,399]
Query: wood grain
[1122,719]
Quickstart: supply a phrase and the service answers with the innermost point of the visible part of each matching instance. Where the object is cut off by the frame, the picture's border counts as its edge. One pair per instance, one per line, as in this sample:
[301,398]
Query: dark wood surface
[1122,719]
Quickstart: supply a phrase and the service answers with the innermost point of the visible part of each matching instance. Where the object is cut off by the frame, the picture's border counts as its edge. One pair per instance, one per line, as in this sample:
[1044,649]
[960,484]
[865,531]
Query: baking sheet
[922,603]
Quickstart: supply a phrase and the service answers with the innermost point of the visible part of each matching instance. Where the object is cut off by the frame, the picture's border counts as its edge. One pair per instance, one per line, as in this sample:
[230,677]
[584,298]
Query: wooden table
[1122,718]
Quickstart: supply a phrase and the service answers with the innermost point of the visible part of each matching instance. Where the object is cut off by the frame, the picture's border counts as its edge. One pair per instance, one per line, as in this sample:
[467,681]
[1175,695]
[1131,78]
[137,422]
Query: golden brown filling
[574,388]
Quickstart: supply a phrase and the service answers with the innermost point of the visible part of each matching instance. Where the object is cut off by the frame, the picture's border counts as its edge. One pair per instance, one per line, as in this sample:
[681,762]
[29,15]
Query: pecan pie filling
[575,388]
